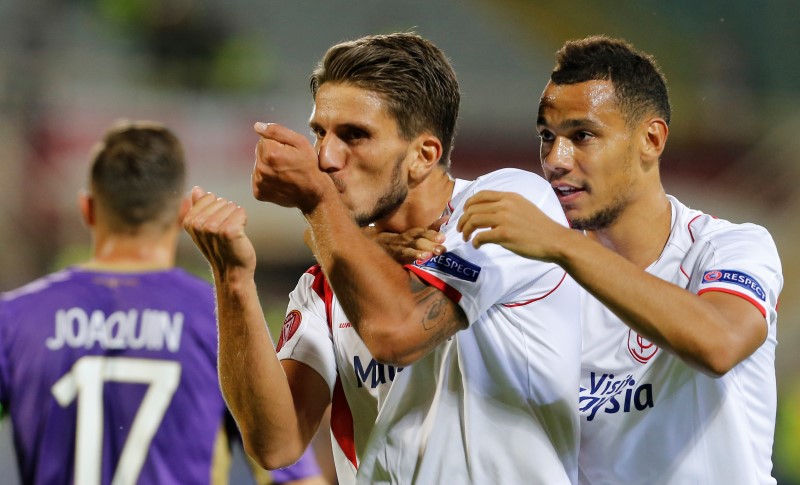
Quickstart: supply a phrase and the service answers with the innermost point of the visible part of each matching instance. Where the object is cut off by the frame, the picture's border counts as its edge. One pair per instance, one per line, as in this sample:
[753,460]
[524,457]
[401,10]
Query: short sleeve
[742,260]
[305,335]
[5,371]
[476,279]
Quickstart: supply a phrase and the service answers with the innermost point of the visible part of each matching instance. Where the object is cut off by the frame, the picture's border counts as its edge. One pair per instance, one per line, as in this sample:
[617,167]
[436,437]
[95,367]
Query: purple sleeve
[4,370]
[304,468]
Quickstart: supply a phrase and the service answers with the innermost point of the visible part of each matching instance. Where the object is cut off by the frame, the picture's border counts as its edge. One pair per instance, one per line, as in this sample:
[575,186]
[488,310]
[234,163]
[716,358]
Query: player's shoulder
[527,184]
[39,286]
[313,283]
[701,227]
[511,179]
[190,280]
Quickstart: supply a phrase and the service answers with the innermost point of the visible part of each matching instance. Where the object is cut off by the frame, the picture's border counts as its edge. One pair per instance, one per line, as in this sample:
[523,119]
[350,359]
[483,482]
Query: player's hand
[414,244]
[511,221]
[216,226]
[286,170]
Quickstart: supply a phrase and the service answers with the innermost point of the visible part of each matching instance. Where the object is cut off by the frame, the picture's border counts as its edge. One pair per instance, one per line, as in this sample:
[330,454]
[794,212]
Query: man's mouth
[567,192]
[340,185]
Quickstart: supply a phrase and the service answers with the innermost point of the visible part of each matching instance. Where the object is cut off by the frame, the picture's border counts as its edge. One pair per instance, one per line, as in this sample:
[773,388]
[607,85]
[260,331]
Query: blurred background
[70,68]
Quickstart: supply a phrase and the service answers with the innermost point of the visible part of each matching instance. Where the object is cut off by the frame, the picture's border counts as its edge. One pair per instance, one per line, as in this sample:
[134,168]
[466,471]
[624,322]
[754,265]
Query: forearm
[374,290]
[251,377]
[664,313]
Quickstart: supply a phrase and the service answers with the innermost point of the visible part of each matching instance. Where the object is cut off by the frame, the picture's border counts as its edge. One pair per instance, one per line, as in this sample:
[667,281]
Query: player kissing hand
[286,170]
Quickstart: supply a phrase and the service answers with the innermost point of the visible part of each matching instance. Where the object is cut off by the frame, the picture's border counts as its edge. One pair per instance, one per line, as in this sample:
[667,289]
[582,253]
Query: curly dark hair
[639,84]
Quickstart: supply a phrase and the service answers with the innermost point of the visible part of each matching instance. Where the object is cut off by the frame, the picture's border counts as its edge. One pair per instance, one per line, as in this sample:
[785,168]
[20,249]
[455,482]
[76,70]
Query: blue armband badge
[449,263]
[735,278]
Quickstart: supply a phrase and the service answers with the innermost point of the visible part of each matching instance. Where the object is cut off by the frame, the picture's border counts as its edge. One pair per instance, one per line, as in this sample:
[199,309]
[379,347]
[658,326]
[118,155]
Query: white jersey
[495,404]
[318,333]
[649,418]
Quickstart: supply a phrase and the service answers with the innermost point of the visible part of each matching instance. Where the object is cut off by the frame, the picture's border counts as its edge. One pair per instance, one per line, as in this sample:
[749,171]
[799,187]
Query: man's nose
[560,156]
[332,154]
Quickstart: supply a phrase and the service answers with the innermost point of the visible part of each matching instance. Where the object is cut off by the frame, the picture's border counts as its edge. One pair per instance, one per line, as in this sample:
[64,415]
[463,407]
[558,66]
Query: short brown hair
[138,173]
[410,73]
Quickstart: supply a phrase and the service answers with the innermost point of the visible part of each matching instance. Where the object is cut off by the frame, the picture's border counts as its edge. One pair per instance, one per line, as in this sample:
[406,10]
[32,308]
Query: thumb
[438,223]
[197,194]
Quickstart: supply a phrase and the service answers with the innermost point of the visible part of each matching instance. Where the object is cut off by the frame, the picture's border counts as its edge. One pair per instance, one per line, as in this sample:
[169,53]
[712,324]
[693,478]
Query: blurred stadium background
[208,69]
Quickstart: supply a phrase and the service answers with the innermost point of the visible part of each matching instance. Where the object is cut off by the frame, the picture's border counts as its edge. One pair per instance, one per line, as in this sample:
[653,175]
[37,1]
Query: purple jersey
[112,377]
[306,467]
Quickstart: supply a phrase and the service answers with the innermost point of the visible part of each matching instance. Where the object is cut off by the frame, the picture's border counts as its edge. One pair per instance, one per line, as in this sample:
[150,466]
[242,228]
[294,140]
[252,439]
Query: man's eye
[356,135]
[546,136]
[583,136]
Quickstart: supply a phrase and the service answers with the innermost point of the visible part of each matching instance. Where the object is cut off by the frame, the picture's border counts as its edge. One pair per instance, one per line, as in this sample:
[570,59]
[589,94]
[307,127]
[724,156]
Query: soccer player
[494,338]
[678,375]
[108,368]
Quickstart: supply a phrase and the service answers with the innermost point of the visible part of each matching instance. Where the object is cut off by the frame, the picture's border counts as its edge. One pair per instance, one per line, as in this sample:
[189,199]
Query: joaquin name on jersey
[132,329]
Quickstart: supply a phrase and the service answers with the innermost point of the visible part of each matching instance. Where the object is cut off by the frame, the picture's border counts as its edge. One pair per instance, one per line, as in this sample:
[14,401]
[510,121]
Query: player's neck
[423,206]
[132,253]
[640,233]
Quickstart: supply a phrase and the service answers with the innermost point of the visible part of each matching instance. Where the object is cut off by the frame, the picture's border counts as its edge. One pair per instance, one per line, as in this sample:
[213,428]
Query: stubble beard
[602,218]
[606,216]
[388,202]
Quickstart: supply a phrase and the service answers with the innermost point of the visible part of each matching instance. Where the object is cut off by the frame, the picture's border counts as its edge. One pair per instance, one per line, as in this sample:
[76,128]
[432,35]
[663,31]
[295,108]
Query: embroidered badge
[641,349]
[290,325]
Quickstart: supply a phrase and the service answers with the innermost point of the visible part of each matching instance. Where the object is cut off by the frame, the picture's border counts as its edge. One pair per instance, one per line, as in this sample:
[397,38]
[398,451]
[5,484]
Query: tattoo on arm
[435,312]
[440,316]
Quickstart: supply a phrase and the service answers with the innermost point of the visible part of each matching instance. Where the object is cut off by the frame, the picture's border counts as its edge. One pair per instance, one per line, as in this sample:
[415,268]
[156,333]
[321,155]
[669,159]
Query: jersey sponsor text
[375,372]
[614,395]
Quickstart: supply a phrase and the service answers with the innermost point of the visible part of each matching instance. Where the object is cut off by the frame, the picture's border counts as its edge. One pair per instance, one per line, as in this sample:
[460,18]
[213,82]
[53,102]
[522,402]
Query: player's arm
[398,317]
[713,331]
[277,410]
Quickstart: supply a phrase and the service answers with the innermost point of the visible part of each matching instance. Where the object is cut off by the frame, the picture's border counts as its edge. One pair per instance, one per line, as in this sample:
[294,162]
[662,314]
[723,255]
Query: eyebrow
[572,123]
[348,126]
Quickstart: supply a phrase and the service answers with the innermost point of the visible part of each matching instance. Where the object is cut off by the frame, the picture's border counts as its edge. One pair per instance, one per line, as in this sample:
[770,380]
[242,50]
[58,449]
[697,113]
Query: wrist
[234,279]
[569,247]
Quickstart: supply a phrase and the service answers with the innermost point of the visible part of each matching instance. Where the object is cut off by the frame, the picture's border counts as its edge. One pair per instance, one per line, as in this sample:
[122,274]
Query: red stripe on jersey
[440,285]
[689,226]
[319,280]
[341,416]
[323,290]
[328,299]
[740,295]
[342,423]
[523,303]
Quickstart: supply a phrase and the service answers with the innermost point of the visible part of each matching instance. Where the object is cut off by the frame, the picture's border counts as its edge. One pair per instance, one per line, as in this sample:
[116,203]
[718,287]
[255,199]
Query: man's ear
[653,140]
[86,207]
[186,204]
[429,151]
